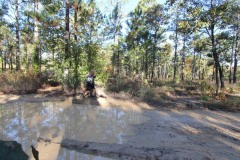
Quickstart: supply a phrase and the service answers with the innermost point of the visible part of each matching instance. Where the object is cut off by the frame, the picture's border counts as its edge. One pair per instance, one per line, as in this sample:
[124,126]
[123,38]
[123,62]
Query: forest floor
[118,126]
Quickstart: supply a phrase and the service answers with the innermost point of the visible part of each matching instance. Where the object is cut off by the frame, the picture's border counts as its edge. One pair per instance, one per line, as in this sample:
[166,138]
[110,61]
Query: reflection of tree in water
[91,123]
[26,122]
[16,124]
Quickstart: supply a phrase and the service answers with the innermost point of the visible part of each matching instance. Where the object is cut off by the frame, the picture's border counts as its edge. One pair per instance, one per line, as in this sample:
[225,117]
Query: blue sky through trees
[105,6]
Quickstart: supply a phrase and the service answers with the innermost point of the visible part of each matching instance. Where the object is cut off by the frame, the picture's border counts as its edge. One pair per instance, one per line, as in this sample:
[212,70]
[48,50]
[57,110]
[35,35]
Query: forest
[167,76]
[178,40]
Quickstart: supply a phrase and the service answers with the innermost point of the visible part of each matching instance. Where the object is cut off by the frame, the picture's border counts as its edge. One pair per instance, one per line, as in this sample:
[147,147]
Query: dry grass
[19,82]
[151,93]
[164,92]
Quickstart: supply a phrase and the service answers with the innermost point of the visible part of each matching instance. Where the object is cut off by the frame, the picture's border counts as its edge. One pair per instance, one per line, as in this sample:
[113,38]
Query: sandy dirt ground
[110,128]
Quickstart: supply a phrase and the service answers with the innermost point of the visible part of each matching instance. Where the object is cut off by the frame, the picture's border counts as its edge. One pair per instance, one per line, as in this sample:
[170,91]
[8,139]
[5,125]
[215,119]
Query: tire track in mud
[116,151]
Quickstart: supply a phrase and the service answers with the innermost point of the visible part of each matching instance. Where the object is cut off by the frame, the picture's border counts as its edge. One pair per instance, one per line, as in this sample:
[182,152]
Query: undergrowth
[165,91]
[19,82]
[149,92]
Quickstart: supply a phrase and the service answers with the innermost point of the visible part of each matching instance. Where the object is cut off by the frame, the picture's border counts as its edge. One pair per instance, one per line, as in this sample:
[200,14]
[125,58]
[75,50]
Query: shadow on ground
[11,150]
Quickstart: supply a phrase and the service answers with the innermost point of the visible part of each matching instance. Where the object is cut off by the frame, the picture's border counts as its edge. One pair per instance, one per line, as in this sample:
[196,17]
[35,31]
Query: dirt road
[109,128]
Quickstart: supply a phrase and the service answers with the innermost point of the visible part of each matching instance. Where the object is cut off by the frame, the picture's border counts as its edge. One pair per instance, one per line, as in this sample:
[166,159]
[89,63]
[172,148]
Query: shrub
[230,90]
[205,86]
[19,82]
[160,83]
[238,84]
[125,84]
[205,98]
[147,94]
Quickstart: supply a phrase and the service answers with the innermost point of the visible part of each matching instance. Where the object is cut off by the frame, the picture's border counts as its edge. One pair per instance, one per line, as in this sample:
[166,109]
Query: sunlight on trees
[179,40]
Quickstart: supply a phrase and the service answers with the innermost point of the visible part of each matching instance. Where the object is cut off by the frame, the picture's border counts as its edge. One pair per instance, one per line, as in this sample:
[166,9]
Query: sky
[103,5]
[133,3]
[106,8]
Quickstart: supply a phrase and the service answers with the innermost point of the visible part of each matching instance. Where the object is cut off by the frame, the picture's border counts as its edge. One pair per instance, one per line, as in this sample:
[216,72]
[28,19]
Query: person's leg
[91,92]
[86,91]
[94,92]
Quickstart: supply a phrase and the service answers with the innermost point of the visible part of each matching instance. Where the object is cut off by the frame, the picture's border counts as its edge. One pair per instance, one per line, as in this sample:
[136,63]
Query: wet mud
[108,128]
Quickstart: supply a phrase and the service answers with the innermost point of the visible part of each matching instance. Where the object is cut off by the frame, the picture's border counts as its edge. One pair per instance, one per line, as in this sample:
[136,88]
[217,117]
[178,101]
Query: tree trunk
[217,70]
[5,62]
[75,23]
[40,57]
[143,66]
[2,60]
[9,67]
[18,64]
[118,59]
[154,55]
[216,59]
[217,65]
[114,55]
[11,64]
[136,70]
[222,67]
[10,57]
[26,58]
[213,73]
[114,60]
[36,36]
[175,48]
[146,64]
[152,70]
[53,50]
[237,48]
[203,70]
[221,76]
[231,62]
[135,61]
[235,61]
[193,65]
[200,66]
[215,55]
[76,54]
[183,59]
[158,70]
[165,70]
[67,34]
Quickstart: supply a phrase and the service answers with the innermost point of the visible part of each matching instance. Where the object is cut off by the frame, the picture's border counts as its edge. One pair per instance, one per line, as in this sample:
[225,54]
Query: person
[90,84]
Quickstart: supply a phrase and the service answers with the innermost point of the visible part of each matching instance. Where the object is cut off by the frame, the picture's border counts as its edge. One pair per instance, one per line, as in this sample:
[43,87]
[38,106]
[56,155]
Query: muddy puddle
[25,122]
[113,128]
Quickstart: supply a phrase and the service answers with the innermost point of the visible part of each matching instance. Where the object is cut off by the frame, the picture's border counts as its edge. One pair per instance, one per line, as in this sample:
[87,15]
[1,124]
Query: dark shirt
[90,82]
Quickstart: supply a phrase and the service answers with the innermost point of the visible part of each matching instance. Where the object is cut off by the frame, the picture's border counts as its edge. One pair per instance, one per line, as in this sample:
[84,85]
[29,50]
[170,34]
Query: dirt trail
[173,135]
[117,129]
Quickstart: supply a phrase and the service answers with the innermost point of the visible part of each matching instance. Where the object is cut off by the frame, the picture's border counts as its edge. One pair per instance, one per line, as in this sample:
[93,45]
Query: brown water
[25,122]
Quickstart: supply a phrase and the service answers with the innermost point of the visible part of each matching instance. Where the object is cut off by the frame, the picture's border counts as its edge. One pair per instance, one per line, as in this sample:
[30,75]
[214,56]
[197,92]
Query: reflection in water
[25,122]
[73,155]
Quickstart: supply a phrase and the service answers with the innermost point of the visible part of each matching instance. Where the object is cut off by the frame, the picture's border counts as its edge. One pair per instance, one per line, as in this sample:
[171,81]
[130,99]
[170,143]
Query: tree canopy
[179,40]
